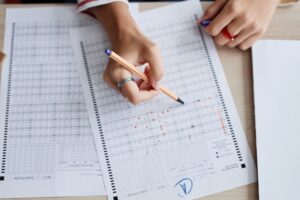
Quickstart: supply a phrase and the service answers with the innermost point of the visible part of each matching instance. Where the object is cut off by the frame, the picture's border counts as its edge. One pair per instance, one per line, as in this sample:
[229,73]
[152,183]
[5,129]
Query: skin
[130,43]
[247,20]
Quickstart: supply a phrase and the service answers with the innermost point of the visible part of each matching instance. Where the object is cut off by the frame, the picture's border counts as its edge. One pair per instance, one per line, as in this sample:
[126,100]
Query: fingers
[236,26]
[135,92]
[108,80]
[246,44]
[220,21]
[145,95]
[245,19]
[221,40]
[213,9]
[240,37]
[153,57]
[136,95]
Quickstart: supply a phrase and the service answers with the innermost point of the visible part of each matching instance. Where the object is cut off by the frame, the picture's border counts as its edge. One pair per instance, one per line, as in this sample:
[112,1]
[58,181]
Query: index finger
[220,21]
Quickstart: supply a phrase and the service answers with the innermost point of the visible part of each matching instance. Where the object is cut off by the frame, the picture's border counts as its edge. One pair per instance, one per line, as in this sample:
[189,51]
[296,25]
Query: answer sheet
[161,149]
[46,143]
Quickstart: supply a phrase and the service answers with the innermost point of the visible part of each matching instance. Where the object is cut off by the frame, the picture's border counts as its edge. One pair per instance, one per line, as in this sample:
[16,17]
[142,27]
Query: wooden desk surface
[238,70]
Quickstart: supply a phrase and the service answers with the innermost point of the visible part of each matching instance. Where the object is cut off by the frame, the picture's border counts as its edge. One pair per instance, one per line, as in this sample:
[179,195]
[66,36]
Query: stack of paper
[55,108]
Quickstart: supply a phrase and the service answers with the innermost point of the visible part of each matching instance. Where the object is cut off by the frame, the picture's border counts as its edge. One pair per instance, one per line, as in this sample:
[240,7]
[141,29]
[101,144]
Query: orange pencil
[130,67]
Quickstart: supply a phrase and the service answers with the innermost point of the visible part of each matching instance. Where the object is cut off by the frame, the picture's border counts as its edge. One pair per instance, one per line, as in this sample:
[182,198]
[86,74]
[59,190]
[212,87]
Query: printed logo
[184,186]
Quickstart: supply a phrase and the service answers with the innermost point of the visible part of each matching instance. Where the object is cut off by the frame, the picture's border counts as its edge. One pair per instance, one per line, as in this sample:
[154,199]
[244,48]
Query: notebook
[276,69]
[161,149]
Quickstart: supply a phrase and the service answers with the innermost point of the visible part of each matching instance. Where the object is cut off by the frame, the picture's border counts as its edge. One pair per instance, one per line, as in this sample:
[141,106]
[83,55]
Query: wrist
[116,20]
[126,34]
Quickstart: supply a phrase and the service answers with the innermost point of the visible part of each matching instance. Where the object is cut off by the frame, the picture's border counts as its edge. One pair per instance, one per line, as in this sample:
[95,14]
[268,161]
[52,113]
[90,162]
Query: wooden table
[238,70]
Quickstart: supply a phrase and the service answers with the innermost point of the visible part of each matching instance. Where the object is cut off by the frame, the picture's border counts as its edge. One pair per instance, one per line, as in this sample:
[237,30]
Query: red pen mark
[221,121]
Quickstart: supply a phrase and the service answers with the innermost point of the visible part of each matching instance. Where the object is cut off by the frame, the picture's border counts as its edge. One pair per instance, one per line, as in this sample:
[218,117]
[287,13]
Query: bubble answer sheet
[46,142]
[161,149]
[47,147]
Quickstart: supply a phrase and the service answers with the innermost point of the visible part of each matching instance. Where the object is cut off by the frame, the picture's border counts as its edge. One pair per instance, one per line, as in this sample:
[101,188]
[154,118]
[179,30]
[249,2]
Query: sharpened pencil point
[180,101]
[107,52]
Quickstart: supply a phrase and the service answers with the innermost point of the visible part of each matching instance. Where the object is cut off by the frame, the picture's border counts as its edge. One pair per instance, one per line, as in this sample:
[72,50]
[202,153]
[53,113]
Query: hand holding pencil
[130,43]
[137,50]
[130,67]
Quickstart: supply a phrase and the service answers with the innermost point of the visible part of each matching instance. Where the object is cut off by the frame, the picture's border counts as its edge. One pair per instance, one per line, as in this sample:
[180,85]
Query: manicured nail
[205,23]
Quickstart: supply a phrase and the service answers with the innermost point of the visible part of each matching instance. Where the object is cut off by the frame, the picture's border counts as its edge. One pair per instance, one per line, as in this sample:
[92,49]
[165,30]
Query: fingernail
[205,23]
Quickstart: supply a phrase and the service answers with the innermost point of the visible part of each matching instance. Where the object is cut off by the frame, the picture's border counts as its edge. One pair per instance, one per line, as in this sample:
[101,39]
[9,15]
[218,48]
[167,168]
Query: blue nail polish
[107,52]
[205,22]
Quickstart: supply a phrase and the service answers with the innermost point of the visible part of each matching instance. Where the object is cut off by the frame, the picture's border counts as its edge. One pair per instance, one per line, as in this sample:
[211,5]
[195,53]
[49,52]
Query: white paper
[276,69]
[48,148]
[161,149]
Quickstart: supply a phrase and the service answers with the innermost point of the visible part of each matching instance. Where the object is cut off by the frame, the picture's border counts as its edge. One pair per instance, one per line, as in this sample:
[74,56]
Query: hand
[132,45]
[247,20]
[136,49]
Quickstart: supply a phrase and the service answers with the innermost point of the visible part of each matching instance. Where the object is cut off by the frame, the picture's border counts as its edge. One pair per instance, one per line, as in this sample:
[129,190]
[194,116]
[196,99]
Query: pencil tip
[180,101]
[107,51]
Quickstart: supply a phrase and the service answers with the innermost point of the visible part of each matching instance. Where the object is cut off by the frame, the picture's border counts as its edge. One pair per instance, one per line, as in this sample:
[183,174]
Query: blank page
[277,96]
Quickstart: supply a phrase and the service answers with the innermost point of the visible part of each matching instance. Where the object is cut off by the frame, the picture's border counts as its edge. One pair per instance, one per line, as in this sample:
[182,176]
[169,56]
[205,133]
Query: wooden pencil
[130,67]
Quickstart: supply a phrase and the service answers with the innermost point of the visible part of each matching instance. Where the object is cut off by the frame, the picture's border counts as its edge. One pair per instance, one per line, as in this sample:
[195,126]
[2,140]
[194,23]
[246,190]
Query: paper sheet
[161,149]
[277,96]
[46,143]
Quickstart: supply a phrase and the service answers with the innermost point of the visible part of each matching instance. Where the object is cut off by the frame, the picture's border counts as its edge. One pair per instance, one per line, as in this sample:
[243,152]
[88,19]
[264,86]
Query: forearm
[116,20]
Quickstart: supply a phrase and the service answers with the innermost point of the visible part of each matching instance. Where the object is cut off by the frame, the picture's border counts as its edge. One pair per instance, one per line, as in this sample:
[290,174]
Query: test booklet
[59,122]
[161,149]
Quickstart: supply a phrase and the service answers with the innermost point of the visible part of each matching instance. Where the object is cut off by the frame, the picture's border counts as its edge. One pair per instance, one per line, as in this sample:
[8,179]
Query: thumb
[153,57]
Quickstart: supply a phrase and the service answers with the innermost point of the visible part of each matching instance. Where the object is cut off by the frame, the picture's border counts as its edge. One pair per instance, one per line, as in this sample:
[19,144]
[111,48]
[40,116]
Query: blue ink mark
[184,186]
